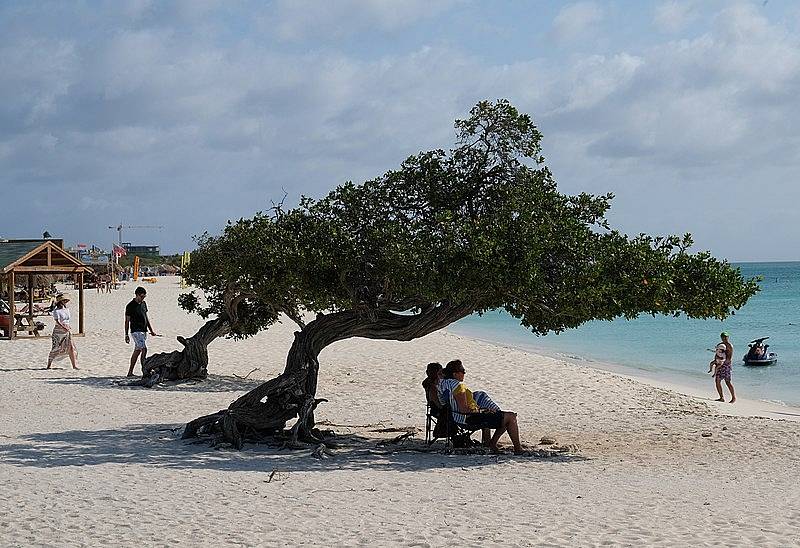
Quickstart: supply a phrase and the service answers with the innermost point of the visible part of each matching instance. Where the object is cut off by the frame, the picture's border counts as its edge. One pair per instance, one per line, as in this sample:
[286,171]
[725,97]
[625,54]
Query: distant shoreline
[744,406]
[764,262]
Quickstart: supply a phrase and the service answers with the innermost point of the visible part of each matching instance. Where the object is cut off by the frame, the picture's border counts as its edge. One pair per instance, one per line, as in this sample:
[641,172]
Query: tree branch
[294,315]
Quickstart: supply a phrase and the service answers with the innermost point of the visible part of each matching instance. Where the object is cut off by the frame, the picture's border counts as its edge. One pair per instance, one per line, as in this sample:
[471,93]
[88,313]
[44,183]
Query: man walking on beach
[137,321]
[724,371]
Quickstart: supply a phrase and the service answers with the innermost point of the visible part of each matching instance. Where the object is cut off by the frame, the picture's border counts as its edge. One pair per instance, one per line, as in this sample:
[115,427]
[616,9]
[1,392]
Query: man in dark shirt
[138,323]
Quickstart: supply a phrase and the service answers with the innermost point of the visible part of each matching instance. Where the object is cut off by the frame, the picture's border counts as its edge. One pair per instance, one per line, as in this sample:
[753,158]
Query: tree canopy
[482,225]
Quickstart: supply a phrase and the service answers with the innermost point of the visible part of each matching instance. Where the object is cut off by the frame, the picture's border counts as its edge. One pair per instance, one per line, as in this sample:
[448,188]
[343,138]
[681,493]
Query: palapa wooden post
[30,300]
[80,303]
[12,319]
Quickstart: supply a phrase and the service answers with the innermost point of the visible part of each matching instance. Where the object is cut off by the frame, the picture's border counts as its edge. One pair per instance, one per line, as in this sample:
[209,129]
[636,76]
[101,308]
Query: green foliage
[483,224]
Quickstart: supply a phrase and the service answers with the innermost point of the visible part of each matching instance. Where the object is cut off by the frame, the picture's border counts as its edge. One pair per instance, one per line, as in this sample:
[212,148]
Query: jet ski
[758,354]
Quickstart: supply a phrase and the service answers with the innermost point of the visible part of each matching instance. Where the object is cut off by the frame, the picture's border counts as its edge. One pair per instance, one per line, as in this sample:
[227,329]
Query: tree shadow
[214,383]
[159,445]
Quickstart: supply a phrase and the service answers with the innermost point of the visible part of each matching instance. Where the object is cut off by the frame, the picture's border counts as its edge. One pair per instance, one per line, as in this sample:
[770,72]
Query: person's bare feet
[733,400]
[130,374]
[720,399]
[74,367]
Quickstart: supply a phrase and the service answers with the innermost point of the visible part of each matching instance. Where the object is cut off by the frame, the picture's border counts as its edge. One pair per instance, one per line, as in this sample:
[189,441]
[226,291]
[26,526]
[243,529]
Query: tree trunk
[189,363]
[264,411]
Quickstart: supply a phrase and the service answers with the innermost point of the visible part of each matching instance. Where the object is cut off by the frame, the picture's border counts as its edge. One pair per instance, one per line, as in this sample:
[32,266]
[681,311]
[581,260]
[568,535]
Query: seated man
[477,410]
[758,352]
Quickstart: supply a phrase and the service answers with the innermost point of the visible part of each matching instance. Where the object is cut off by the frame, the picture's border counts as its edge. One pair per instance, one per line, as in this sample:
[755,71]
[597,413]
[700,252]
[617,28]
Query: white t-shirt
[61,315]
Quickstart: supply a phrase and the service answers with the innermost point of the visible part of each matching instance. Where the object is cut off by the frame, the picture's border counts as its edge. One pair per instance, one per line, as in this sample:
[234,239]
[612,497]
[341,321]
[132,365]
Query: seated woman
[476,409]
[433,374]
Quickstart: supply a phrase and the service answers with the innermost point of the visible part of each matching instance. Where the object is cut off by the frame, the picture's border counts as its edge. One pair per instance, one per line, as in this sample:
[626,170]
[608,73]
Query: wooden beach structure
[29,258]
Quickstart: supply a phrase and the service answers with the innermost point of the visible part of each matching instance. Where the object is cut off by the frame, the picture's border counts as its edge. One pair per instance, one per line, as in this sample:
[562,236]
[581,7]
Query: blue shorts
[139,340]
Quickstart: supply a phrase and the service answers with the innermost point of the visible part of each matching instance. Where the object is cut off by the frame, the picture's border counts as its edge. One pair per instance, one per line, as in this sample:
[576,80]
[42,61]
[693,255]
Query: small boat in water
[758,353]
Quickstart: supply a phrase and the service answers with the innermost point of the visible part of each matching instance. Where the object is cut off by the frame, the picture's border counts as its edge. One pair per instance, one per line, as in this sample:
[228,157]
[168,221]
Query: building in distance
[142,250]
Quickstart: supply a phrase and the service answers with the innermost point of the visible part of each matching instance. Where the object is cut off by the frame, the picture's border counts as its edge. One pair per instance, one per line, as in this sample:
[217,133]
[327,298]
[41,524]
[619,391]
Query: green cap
[724,334]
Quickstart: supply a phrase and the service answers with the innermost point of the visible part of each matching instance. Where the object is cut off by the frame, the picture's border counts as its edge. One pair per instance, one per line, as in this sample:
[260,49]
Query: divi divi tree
[447,234]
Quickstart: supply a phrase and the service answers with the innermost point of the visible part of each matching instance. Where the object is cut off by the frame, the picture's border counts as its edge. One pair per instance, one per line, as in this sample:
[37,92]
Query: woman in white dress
[62,335]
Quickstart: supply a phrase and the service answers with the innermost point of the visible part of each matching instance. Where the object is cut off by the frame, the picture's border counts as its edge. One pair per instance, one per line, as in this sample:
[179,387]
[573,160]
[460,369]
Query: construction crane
[120,226]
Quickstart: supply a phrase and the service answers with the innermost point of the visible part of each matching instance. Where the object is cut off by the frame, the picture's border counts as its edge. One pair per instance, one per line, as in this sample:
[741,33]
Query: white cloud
[136,8]
[592,80]
[220,125]
[742,23]
[675,15]
[298,19]
[576,20]
[36,73]
[721,99]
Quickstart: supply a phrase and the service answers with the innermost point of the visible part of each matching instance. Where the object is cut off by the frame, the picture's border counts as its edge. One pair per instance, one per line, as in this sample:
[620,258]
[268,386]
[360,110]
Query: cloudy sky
[189,113]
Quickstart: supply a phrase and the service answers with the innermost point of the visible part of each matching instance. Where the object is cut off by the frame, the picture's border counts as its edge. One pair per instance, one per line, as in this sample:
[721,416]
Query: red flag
[81,246]
[119,251]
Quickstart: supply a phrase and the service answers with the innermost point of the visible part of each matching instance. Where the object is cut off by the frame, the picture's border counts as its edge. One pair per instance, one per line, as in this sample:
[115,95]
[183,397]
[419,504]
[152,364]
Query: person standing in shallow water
[724,371]
[137,321]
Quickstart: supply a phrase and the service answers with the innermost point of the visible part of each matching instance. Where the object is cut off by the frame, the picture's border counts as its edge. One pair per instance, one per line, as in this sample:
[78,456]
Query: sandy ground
[85,461]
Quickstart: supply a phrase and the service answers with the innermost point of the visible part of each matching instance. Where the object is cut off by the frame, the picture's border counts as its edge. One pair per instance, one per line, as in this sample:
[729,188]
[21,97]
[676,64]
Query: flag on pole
[119,251]
[81,246]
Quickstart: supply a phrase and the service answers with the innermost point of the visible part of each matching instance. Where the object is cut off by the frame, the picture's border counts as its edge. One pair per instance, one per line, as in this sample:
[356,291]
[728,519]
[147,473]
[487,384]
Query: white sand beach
[85,461]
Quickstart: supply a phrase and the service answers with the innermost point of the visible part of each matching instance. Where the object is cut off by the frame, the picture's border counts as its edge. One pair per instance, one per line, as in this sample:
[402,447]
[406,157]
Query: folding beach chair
[431,421]
[439,423]
[432,414]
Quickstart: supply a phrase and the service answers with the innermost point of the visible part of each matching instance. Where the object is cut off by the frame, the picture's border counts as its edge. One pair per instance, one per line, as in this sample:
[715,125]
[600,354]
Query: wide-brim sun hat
[62,299]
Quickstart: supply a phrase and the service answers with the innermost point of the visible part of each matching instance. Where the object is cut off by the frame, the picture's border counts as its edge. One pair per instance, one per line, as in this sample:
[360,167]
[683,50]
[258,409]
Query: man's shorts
[493,419]
[724,371]
[139,340]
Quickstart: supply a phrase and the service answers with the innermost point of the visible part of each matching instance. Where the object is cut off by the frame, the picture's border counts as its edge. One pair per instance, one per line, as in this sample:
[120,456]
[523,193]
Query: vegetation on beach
[446,235]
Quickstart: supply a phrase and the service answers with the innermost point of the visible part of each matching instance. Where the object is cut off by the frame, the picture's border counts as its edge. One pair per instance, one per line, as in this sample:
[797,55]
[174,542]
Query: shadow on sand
[160,445]
[214,383]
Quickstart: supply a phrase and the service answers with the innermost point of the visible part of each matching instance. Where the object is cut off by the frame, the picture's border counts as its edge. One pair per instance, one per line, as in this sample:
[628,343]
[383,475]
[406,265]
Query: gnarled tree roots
[189,363]
[262,422]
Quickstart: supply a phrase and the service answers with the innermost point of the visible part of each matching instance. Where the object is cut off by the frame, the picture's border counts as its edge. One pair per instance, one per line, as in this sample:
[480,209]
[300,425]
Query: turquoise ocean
[675,349]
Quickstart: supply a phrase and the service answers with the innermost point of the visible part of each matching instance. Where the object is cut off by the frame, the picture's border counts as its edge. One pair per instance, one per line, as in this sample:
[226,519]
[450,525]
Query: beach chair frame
[455,434]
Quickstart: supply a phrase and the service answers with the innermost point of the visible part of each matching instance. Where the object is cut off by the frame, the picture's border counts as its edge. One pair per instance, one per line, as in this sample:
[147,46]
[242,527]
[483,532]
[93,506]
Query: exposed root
[397,439]
[262,423]
[319,452]
[189,363]
[251,372]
